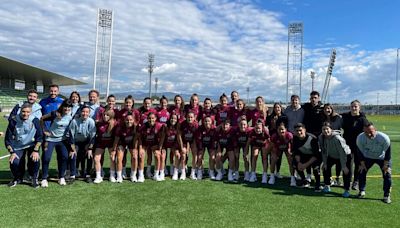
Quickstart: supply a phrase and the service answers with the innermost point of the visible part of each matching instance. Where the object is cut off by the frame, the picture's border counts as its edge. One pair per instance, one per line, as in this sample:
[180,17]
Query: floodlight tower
[312,74]
[103,50]
[294,59]
[150,69]
[328,76]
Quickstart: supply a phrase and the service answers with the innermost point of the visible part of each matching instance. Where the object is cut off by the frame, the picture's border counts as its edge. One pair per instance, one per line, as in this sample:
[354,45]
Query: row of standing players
[80,133]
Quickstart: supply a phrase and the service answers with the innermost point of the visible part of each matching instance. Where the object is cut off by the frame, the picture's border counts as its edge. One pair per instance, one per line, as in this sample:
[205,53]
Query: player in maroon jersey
[237,112]
[234,99]
[281,142]
[144,112]
[104,139]
[193,106]
[207,111]
[172,140]
[272,122]
[178,108]
[224,139]
[222,110]
[162,111]
[149,143]
[110,105]
[188,130]
[258,140]
[125,140]
[241,137]
[205,137]
[260,112]
[129,103]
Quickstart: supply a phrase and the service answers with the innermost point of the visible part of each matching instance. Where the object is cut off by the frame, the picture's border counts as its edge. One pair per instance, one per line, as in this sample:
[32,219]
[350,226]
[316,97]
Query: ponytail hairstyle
[192,99]
[222,97]
[163,98]
[129,97]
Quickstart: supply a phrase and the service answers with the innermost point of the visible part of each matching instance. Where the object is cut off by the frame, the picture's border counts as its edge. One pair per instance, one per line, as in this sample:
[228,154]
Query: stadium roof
[16,70]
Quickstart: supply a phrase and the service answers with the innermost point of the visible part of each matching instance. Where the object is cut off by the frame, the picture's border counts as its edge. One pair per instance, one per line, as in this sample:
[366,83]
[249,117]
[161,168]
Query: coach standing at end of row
[374,147]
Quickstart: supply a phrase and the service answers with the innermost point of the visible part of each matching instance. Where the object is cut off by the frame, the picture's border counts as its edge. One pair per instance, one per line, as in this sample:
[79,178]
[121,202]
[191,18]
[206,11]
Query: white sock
[140,172]
[98,174]
[112,172]
[162,172]
[119,174]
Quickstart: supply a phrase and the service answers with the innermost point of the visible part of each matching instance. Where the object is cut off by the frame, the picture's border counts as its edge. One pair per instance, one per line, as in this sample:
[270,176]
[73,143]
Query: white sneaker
[212,174]
[112,179]
[246,176]
[219,175]
[161,177]
[62,181]
[278,175]
[134,178]
[253,177]
[193,175]
[120,179]
[44,183]
[308,178]
[271,179]
[183,175]
[98,180]
[293,181]
[140,178]
[199,174]
[230,176]
[156,177]
[264,178]
[175,176]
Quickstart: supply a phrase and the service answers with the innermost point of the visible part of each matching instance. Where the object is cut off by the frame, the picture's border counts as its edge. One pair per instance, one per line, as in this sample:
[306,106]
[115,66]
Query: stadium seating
[10,97]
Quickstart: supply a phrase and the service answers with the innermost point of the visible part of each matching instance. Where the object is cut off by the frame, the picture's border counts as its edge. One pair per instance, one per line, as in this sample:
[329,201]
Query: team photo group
[160,140]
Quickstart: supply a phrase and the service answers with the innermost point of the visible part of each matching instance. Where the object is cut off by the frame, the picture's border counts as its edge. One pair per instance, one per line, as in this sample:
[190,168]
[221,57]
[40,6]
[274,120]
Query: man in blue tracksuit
[24,137]
[374,147]
[51,103]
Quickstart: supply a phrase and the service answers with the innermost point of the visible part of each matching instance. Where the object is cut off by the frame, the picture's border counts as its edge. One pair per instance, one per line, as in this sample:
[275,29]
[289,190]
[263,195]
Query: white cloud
[208,47]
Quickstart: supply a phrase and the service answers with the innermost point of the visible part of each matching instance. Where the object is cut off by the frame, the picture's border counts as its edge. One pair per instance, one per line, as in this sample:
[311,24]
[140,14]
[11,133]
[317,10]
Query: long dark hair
[65,103]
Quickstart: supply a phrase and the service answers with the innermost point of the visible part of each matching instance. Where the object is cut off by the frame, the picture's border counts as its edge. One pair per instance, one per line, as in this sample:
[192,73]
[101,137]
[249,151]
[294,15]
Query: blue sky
[212,46]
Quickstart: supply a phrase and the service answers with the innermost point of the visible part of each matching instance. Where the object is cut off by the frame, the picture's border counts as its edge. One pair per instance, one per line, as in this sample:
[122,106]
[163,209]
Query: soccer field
[199,203]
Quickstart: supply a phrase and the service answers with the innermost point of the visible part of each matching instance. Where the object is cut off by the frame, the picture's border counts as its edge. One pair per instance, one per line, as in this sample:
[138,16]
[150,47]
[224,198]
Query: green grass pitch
[199,203]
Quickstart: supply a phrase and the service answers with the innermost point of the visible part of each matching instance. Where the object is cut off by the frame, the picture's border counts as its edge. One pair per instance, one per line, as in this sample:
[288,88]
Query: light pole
[312,74]
[150,69]
[397,75]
